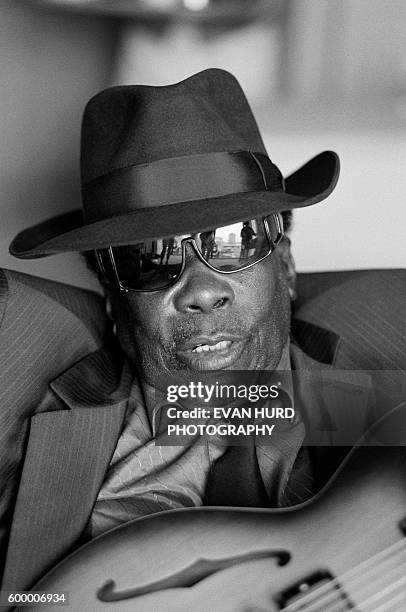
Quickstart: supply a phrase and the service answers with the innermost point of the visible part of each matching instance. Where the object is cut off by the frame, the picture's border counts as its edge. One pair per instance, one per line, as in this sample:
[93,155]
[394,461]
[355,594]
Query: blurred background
[319,75]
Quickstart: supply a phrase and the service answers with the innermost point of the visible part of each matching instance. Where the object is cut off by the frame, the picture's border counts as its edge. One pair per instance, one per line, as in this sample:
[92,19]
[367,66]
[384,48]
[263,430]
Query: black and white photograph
[202,305]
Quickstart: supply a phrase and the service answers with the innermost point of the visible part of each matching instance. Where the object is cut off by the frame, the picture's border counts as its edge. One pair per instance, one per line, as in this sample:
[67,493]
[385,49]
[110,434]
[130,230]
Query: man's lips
[211,348]
[211,352]
[210,342]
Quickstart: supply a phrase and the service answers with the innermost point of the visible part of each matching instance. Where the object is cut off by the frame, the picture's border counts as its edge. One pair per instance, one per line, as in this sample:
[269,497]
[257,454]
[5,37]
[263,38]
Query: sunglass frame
[126,289]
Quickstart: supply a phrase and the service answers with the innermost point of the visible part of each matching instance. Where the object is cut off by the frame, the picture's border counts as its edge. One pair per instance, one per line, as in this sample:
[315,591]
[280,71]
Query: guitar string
[385,575]
[361,568]
[395,600]
[385,607]
[382,594]
[360,606]
[338,606]
[320,604]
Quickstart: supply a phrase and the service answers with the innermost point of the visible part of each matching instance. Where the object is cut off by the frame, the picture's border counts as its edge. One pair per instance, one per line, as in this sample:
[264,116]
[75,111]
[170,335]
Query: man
[98,460]
[207,241]
[167,248]
[247,235]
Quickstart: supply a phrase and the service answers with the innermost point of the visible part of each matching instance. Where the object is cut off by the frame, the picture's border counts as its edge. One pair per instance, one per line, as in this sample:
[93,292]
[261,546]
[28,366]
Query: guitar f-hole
[190,575]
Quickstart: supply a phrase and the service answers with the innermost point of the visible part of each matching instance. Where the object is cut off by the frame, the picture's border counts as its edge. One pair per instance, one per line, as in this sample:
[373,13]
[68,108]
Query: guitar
[343,550]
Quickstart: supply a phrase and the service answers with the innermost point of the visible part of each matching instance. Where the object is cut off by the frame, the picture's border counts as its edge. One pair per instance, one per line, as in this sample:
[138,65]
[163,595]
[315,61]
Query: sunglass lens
[234,246]
[149,265]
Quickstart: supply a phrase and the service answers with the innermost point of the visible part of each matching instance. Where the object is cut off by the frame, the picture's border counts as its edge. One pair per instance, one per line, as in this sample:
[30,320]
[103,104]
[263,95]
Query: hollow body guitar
[343,550]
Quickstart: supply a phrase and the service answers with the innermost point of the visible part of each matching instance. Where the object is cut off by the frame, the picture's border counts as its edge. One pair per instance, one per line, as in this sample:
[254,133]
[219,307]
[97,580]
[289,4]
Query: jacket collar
[319,344]
[103,378]
[69,449]
[335,404]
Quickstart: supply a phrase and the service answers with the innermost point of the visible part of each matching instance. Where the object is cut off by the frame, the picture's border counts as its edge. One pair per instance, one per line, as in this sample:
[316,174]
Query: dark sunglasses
[153,265]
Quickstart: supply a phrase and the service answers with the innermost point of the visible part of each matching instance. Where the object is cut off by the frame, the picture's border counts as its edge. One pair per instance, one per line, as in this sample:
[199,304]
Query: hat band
[178,179]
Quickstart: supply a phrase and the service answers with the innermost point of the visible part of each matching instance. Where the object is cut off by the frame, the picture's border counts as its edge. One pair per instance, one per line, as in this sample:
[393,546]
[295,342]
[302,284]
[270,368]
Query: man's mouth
[223,345]
[211,353]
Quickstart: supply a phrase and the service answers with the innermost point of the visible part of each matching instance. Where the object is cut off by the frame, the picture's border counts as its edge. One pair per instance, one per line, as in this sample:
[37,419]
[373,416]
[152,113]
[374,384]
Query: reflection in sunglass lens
[234,247]
[149,265]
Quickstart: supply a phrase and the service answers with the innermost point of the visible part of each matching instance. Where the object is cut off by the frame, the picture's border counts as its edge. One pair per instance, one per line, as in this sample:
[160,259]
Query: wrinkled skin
[251,307]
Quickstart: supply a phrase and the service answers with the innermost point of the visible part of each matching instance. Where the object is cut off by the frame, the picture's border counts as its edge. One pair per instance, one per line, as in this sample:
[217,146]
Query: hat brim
[310,184]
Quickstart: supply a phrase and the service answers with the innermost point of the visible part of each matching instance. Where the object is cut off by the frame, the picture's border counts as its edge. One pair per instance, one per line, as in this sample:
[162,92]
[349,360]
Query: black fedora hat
[159,161]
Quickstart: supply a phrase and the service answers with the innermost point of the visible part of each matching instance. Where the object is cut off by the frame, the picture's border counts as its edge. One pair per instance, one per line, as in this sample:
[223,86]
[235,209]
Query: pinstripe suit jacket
[56,440]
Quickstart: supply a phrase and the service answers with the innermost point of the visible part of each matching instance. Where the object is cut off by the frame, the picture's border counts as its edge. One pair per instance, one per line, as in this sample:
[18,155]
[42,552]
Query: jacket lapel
[333,404]
[69,449]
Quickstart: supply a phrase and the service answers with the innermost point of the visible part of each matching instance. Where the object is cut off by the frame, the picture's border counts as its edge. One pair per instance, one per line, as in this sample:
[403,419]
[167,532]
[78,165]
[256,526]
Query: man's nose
[201,289]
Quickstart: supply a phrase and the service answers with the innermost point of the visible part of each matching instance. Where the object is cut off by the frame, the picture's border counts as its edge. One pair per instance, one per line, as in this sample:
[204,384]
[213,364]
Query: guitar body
[358,515]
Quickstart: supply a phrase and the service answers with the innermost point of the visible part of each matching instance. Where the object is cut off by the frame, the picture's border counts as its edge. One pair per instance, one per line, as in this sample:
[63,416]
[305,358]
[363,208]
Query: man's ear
[288,265]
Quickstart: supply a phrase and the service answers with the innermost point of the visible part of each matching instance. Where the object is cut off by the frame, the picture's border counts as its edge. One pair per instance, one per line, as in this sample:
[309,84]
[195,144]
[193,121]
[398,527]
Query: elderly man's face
[210,321]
